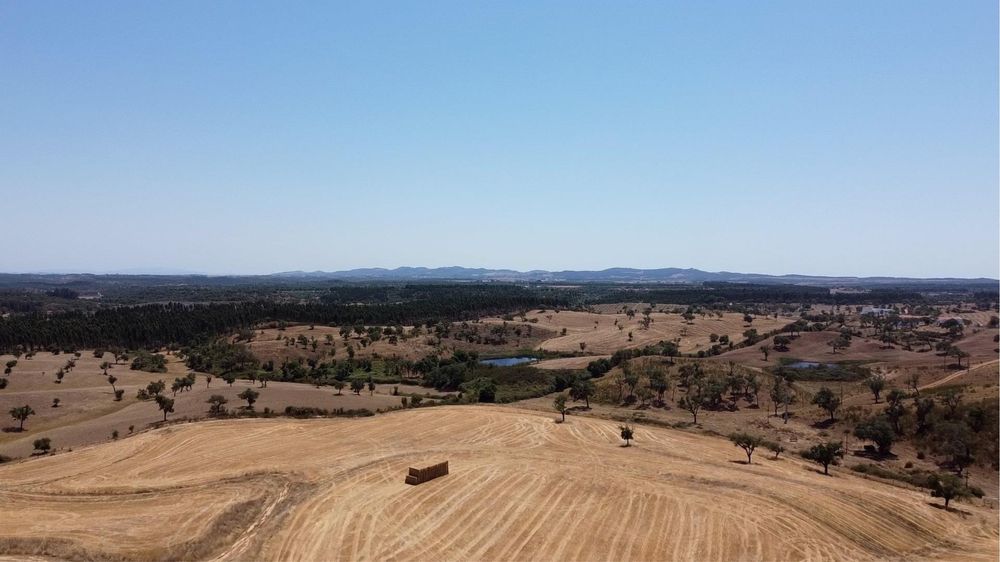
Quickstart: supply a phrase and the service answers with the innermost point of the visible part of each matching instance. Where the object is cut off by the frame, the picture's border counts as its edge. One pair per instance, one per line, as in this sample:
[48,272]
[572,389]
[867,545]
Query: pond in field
[507,361]
[810,365]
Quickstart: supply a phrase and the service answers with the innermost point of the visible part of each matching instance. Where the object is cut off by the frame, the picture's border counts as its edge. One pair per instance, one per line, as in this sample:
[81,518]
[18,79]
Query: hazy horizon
[851,139]
[183,272]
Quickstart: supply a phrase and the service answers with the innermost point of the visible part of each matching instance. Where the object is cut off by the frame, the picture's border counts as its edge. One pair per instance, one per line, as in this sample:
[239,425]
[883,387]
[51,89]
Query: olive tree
[948,487]
[827,400]
[250,395]
[747,442]
[21,414]
[825,454]
[627,433]
[560,405]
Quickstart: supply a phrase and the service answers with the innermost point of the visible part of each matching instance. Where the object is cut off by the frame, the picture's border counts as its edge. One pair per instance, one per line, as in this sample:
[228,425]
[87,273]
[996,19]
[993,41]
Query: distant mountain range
[612,275]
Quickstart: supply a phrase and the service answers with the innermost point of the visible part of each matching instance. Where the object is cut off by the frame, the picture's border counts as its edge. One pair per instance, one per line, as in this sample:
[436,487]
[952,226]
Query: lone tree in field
[828,401]
[339,385]
[747,442]
[112,380]
[21,414]
[775,447]
[627,433]
[55,402]
[825,454]
[948,487]
[560,405]
[765,350]
[876,384]
[43,445]
[250,395]
[841,342]
[208,381]
[218,404]
[166,405]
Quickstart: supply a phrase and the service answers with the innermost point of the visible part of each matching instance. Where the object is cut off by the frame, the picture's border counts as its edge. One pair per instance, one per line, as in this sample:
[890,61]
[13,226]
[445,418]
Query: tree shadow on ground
[949,509]
[825,424]
[11,429]
[873,455]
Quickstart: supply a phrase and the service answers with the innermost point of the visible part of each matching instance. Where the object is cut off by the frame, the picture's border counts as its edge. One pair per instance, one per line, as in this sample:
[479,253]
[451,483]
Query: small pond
[507,361]
[810,365]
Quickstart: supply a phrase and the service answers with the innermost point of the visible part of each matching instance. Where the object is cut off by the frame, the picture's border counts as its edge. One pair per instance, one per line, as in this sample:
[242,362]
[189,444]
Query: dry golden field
[521,488]
[266,344]
[88,413]
[601,334]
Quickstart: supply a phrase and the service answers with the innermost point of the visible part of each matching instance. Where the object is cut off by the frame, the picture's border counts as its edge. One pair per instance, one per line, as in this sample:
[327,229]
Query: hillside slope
[521,487]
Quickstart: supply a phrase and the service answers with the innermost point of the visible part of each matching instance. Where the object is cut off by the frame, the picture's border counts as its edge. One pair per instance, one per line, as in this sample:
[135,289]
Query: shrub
[43,445]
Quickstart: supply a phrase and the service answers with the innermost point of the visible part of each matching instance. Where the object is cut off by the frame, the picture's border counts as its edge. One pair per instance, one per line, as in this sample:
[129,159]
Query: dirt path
[957,374]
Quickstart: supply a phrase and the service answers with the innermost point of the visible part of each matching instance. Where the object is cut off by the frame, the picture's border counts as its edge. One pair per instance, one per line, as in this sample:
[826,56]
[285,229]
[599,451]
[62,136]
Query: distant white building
[877,311]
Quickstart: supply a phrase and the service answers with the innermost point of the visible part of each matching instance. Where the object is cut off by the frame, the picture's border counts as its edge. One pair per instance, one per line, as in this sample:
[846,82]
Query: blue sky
[854,138]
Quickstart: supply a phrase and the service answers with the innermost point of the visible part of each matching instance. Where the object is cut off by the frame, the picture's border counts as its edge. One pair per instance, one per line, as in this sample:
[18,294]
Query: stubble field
[284,489]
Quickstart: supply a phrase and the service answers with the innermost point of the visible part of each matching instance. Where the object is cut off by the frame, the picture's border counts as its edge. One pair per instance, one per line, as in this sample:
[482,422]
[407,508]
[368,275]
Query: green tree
[747,442]
[947,487]
[218,404]
[559,403]
[825,454]
[957,441]
[357,385]
[827,400]
[693,401]
[21,414]
[582,389]
[895,410]
[627,434]
[166,405]
[878,431]
[775,447]
[339,385]
[484,389]
[876,383]
[952,398]
[250,396]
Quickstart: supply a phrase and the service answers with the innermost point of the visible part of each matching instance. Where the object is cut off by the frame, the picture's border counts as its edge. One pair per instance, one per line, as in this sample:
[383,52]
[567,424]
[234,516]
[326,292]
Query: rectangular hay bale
[420,475]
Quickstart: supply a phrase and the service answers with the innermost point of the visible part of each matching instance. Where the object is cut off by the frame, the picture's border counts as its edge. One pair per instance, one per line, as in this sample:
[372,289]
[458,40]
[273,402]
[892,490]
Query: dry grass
[88,412]
[601,334]
[325,489]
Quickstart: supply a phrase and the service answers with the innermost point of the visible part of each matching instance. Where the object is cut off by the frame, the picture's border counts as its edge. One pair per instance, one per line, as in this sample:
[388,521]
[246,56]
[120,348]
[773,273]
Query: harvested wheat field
[521,487]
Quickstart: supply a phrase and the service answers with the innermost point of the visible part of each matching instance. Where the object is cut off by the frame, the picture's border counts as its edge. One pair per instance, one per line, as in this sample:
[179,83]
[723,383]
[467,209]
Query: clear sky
[854,138]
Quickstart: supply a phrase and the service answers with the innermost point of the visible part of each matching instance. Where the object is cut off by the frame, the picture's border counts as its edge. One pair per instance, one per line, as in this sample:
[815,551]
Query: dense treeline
[157,325]
[720,293]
